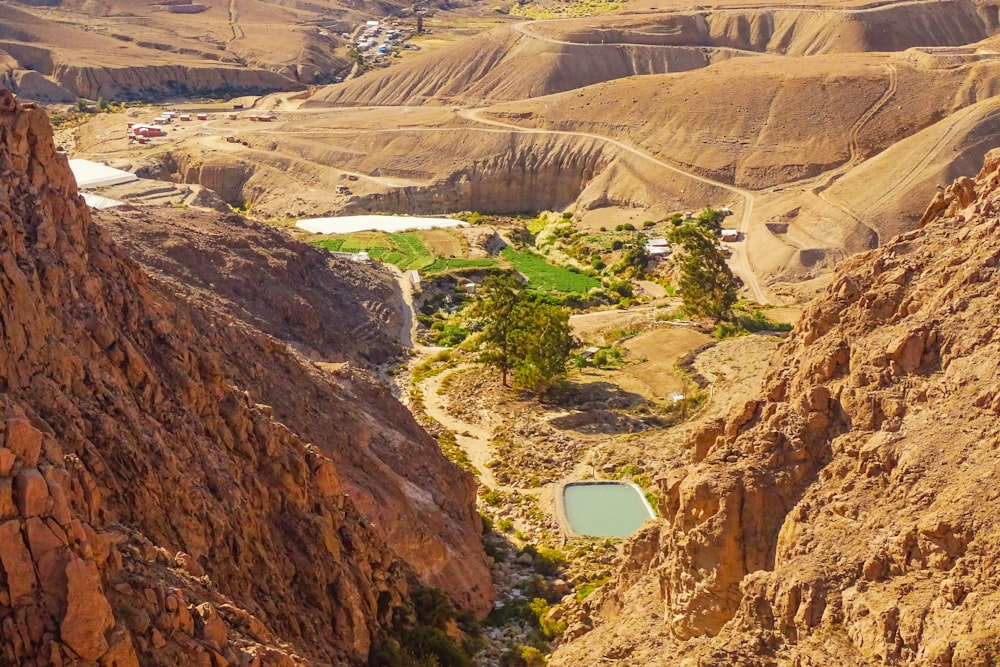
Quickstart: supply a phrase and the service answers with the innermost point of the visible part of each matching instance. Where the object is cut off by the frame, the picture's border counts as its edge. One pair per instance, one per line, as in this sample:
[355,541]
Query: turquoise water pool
[604,509]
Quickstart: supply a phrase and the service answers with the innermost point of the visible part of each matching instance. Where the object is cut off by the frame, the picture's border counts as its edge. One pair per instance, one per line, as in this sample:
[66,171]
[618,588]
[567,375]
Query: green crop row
[442,264]
[544,276]
[405,250]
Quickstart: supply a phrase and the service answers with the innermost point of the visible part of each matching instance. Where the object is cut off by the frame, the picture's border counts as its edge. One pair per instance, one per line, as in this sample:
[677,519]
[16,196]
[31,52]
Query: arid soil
[130,50]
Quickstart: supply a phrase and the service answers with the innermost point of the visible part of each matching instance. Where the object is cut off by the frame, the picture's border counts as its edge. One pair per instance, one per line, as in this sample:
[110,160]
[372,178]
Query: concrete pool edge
[563,519]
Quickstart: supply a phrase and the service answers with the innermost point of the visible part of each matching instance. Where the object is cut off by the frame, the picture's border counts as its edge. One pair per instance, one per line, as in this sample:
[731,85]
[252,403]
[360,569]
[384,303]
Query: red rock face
[849,516]
[145,498]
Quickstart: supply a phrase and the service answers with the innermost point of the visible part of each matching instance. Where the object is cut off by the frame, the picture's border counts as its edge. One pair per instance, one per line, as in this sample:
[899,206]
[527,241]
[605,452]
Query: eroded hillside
[824,128]
[155,509]
[848,515]
[492,68]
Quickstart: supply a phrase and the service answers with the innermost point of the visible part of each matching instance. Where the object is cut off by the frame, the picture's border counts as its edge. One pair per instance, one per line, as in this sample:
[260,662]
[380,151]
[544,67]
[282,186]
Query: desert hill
[848,515]
[812,147]
[491,67]
[138,50]
[155,509]
[788,114]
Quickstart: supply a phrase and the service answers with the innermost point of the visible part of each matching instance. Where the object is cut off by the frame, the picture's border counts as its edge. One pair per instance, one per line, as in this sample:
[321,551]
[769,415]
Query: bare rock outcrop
[145,497]
[848,516]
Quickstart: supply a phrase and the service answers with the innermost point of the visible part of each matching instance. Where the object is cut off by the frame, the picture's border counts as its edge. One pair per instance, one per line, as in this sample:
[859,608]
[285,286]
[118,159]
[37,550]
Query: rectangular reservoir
[604,509]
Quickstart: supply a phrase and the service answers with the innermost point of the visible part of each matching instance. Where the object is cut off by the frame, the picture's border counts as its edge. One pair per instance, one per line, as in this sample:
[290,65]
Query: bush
[449,335]
[548,561]
[428,642]
[420,639]
[494,552]
[550,629]
[493,498]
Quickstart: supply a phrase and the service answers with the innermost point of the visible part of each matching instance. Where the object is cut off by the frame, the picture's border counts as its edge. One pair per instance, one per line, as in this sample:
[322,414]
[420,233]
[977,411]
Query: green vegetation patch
[441,264]
[544,276]
[405,249]
[415,253]
[333,245]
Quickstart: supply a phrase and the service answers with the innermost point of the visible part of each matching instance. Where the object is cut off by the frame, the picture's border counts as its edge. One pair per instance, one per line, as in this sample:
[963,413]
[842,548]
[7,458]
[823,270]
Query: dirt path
[523,29]
[955,123]
[853,136]
[472,438]
[234,22]
[742,266]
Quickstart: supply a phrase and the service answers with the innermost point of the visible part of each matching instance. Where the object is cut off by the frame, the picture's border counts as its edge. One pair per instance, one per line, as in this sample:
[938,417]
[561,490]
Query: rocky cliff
[153,510]
[849,515]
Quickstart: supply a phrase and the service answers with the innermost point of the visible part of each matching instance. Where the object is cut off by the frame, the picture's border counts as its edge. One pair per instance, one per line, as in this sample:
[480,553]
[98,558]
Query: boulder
[24,440]
[30,492]
[88,613]
[16,561]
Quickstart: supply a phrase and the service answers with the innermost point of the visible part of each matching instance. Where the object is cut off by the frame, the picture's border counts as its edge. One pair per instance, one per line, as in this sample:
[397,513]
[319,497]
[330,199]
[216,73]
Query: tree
[708,286]
[522,335]
[355,55]
[545,342]
[711,219]
[503,295]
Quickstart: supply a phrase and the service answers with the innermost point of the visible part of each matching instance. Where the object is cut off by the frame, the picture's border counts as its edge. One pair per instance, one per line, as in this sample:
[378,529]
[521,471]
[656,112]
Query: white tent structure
[382,223]
[96,175]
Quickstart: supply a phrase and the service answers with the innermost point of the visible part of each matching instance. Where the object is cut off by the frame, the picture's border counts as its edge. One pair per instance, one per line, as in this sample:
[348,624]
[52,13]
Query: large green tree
[708,286]
[502,298]
[522,335]
[545,344]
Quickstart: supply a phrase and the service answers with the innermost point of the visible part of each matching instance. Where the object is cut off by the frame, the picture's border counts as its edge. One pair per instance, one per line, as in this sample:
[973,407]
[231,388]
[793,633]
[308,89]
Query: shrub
[493,498]
[449,335]
[548,561]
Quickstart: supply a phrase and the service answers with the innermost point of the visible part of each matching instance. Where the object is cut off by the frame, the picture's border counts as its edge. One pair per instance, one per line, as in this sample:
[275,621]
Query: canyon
[203,461]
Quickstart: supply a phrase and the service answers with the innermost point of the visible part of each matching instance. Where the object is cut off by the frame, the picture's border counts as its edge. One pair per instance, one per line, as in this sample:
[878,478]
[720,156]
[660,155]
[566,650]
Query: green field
[450,264]
[404,249]
[407,251]
[333,245]
[544,276]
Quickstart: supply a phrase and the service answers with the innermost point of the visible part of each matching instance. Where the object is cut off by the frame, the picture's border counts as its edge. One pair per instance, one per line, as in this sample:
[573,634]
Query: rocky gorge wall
[153,510]
[848,516]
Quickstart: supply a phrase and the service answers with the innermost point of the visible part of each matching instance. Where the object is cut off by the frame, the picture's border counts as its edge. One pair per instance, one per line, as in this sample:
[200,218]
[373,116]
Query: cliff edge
[152,509]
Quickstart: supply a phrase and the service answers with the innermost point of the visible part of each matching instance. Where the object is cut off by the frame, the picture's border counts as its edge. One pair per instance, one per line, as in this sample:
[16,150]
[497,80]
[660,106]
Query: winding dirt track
[522,28]
[962,120]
